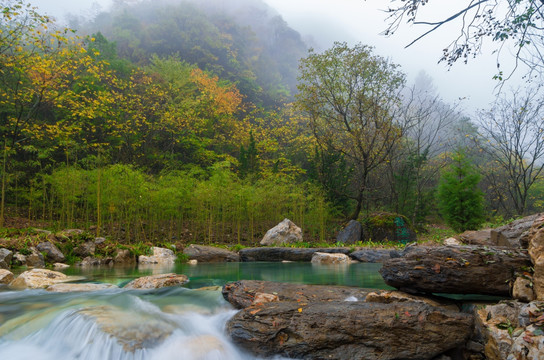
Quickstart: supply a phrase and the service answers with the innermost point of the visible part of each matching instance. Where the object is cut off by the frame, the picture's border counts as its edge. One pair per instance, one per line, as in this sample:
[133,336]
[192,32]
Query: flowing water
[170,323]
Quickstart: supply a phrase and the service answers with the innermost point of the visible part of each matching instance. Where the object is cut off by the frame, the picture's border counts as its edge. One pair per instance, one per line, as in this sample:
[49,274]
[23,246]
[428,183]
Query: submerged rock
[132,330]
[203,253]
[286,232]
[63,287]
[39,278]
[160,256]
[348,330]
[157,281]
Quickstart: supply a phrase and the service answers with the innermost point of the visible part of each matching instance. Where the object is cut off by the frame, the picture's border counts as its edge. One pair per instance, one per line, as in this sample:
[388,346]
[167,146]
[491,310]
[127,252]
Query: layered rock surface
[456,269]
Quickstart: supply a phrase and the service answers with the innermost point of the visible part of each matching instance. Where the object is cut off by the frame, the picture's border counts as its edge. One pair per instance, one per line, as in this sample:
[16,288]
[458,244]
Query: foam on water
[95,327]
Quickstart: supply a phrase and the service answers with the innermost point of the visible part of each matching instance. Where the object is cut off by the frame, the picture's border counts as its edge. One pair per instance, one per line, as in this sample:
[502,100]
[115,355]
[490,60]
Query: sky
[470,86]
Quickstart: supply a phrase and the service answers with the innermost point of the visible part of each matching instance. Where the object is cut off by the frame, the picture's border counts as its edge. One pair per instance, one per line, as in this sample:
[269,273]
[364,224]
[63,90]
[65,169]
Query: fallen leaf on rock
[299,310]
[436,268]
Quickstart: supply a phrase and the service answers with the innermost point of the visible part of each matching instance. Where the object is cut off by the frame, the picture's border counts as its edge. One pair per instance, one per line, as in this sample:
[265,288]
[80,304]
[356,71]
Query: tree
[352,99]
[511,135]
[459,198]
[519,22]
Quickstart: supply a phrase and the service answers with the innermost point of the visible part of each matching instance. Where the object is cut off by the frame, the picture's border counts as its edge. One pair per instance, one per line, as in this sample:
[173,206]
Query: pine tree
[460,200]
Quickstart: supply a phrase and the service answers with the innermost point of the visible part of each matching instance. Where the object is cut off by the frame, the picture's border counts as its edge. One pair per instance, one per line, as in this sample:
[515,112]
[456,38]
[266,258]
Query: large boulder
[351,234]
[161,256]
[157,281]
[5,258]
[39,278]
[456,269]
[348,330]
[374,255]
[383,226]
[203,253]
[514,234]
[52,253]
[286,232]
[330,259]
[6,276]
[277,254]
[242,294]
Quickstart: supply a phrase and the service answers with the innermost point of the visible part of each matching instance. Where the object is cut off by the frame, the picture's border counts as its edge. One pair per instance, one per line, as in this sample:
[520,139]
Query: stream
[169,323]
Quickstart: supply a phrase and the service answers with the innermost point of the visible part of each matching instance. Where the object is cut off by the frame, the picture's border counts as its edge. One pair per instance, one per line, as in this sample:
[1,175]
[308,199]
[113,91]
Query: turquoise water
[170,323]
[211,274]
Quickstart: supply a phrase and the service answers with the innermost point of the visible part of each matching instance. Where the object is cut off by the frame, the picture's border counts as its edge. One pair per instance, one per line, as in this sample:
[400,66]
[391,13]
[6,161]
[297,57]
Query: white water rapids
[174,323]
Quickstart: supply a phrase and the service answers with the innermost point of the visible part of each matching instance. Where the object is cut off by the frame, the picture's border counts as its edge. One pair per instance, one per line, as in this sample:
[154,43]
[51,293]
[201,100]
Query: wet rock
[157,281]
[329,259]
[242,294]
[286,232]
[5,258]
[374,255]
[6,276]
[124,257]
[160,256]
[455,269]
[132,330]
[51,252]
[192,262]
[523,290]
[351,234]
[278,254]
[64,288]
[200,347]
[90,261]
[203,253]
[348,330]
[86,249]
[480,237]
[515,233]
[39,278]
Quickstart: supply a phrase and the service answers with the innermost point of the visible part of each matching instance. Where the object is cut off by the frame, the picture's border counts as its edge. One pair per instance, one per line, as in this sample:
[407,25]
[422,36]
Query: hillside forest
[195,122]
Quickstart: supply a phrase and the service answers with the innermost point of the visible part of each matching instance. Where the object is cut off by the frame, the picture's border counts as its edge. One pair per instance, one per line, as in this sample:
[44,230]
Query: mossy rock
[384,226]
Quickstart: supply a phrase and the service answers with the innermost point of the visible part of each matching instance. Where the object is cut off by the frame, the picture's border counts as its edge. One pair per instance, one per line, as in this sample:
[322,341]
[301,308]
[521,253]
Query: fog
[326,21]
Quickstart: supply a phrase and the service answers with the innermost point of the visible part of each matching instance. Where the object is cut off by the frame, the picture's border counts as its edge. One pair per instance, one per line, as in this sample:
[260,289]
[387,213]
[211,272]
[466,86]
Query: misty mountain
[243,41]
